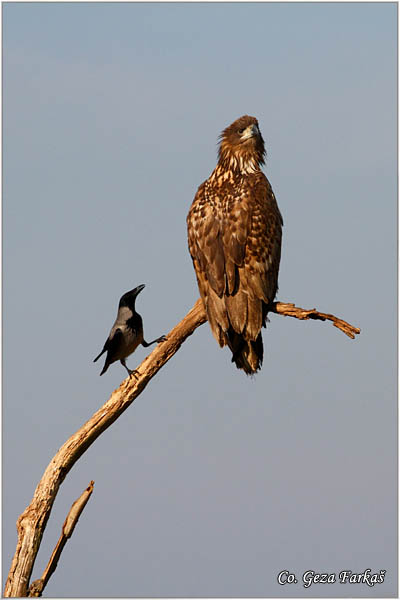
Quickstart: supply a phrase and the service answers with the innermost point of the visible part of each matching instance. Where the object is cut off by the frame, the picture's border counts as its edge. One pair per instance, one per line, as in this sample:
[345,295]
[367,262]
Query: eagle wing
[235,243]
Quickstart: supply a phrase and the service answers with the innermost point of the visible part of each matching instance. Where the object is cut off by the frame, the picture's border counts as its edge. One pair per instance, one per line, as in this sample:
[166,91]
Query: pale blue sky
[211,483]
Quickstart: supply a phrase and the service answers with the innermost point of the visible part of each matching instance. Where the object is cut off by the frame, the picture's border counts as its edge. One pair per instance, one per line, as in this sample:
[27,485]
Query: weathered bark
[32,522]
[36,588]
[290,310]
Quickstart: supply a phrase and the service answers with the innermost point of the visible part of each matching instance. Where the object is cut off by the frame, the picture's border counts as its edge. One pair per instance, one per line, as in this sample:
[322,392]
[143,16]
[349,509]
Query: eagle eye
[241,130]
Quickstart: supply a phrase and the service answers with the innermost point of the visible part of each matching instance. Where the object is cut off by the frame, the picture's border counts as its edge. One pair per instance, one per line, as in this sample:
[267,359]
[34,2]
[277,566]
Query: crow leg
[130,371]
[160,339]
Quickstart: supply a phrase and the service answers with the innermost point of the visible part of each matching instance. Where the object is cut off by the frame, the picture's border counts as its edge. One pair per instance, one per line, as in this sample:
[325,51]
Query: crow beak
[139,289]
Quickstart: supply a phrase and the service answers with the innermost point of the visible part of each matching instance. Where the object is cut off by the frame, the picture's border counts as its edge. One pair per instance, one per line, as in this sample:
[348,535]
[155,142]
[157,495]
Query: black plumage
[127,332]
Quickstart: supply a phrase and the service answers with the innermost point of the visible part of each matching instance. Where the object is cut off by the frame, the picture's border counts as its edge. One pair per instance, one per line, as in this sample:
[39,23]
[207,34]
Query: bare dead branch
[37,587]
[290,310]
[32,522]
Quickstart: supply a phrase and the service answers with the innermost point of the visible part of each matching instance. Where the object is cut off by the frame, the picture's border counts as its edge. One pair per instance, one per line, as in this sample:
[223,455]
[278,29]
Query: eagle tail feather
[246,354]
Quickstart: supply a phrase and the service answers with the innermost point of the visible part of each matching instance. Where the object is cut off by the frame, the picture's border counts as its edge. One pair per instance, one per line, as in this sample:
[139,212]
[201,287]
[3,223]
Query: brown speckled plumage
[234,234]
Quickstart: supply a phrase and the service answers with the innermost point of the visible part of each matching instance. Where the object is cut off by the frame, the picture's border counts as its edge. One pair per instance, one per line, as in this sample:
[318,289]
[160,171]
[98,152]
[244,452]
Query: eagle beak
[250,131]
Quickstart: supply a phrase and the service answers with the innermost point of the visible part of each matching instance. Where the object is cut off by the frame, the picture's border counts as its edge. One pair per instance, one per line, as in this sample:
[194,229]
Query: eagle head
[241,145]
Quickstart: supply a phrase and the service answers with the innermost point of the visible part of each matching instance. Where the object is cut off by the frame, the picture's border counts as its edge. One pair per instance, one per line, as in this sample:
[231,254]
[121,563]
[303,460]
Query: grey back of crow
[127,332]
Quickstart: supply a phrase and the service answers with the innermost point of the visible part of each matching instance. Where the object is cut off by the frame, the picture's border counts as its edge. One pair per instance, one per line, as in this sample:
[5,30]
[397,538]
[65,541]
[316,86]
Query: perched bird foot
[134,373]
[156,341]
